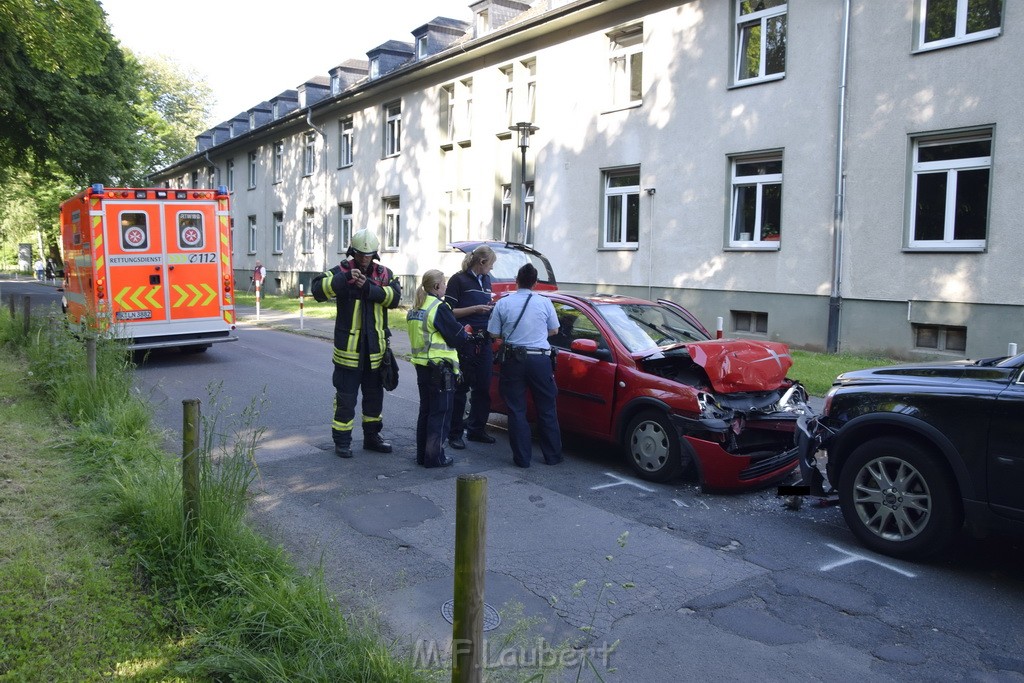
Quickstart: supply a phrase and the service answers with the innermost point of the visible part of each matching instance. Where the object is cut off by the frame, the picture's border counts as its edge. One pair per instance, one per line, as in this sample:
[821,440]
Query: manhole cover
[491,617]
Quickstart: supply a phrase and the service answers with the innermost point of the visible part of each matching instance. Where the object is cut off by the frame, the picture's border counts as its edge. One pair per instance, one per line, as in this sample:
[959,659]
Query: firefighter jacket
[361,324]
[435,334]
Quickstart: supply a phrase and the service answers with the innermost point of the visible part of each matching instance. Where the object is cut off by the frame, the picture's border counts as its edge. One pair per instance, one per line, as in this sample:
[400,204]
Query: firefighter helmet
[364,241]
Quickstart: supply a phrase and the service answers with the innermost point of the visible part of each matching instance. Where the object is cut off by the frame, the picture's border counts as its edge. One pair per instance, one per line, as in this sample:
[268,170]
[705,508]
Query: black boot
[374,442]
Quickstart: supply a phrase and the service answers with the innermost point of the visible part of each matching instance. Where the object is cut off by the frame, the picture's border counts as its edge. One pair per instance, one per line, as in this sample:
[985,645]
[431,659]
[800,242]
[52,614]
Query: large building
[835,174]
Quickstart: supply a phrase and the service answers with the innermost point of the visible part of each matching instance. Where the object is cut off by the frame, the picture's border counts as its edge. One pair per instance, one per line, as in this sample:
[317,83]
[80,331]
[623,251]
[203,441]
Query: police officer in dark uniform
[434,335]
[364,290]
[524,321]
[469,295]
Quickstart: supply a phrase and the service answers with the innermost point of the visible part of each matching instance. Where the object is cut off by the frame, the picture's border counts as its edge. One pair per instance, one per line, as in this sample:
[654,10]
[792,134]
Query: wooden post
[190,464]
[10,304]
[26,307]
[90,355]
[470,565]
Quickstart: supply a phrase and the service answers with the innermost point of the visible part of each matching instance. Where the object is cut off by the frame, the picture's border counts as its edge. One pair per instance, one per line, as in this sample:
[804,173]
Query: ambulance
[150,265]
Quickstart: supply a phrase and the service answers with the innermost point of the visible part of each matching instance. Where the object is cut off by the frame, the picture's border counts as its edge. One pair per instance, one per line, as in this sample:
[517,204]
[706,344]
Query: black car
[915,452]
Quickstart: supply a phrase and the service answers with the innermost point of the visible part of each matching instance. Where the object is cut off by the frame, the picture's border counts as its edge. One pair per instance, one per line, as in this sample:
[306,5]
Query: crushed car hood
[734,365]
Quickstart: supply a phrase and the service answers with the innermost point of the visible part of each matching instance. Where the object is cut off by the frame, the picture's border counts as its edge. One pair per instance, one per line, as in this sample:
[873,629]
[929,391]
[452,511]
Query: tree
[67,94]
[173,108]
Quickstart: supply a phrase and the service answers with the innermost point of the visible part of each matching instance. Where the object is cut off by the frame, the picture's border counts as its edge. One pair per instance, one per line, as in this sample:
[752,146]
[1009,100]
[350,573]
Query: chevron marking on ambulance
[182,295]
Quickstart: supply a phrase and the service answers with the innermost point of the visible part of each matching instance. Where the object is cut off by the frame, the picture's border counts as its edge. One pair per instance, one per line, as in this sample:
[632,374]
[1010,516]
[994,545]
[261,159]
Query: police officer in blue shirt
[469,295]
[524,321]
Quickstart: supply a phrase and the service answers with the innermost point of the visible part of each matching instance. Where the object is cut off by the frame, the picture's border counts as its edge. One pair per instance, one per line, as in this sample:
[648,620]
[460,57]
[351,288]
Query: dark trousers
[475,361]
[536,375]
[347,383]
[433,420]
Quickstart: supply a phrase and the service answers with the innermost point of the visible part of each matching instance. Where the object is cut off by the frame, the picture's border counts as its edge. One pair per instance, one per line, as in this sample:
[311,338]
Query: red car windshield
[646,327]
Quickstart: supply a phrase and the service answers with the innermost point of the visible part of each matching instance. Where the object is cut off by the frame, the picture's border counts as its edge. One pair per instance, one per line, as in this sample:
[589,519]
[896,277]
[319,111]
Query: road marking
[619,481]
[854,557]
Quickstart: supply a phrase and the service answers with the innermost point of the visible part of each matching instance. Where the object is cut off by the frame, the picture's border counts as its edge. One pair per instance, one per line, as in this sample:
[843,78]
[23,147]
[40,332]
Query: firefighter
[364,290]
[435,335]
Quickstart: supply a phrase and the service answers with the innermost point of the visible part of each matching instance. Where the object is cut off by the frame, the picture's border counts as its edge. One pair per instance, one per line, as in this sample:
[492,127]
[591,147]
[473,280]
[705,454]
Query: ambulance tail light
[101,289]
[227,284]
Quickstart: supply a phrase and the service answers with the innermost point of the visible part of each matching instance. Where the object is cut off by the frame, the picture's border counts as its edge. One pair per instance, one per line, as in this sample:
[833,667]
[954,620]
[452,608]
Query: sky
[249,51]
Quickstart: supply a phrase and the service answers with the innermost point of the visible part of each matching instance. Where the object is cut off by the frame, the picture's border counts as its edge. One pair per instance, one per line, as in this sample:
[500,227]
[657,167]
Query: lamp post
[525,129]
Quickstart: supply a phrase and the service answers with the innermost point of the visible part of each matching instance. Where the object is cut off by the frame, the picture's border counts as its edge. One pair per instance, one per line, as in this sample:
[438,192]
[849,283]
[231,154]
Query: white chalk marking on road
[619,481]
[680,503]
[854,557]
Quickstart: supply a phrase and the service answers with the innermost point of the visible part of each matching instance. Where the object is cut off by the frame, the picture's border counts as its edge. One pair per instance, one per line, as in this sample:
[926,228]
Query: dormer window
[276,110]
[302,98]
[335,84]
[421,47]
[483,22]
[252,119]
[375,67]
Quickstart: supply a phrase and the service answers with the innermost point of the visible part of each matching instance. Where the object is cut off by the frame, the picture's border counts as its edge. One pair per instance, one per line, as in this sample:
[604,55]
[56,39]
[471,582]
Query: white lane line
[621,481]
[854,557]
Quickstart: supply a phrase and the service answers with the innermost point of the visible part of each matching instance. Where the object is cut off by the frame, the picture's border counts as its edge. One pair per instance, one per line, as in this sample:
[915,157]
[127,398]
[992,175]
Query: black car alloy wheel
[898,499]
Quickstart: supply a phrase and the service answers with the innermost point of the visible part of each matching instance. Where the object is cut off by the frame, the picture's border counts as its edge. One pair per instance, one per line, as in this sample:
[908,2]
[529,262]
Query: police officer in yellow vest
[435,336]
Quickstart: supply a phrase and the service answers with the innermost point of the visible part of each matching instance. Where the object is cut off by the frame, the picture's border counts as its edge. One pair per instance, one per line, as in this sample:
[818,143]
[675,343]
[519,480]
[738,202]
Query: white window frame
[346,139]
[465,122]
[447,111]
[392,129]
[952,169]
[252,170]
[374,70]
[392,224]
[507,73]
[625,65]
[421,47]
[505,224]
[335,84]
[278,232]
[615,236]
[308,230]
[309,154]
[230,173]
[530,65]
[252,234]
[760,20]
[344,226]
[278,162]
[960,33]
[758,239]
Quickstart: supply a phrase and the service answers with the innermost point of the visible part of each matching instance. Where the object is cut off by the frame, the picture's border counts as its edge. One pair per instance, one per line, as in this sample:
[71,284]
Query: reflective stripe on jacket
[428,344]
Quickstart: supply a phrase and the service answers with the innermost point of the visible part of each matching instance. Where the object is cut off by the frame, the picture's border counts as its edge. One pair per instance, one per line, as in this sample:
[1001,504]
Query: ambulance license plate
[134,315]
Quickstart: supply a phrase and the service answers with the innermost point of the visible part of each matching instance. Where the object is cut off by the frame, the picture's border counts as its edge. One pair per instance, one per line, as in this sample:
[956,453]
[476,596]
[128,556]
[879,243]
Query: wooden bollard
[470,565]
[10,305]
[26,307]
[190,464]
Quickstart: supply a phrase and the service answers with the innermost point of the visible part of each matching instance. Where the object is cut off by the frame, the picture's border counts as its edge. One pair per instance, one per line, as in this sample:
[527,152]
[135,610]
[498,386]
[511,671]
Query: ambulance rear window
[134,231]
[190,230]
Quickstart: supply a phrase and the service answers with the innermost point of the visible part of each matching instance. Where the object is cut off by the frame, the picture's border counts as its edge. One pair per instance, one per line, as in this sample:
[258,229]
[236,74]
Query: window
[195,180]
[421,47]
[392,224]
[375,68]
[308,154]
[507,231]
[190,230]
[278,165]
[760,40]
[231,175]
[756,201]
[252,120]
[467,109]
[531,89]
[307,231]
[345,147]
[278,232]
[252,234]
[626,64]
[753,322]
[621,208]
[335,84]
[252,170]
[483,22]
[940,338]
[951,22]
[392,129]
[212,176]
[344,227]
[134,231]
[949,191]
[506,73]
[447,122]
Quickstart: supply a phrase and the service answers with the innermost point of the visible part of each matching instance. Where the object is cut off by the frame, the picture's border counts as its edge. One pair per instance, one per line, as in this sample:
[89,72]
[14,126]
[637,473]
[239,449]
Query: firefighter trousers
[347,384]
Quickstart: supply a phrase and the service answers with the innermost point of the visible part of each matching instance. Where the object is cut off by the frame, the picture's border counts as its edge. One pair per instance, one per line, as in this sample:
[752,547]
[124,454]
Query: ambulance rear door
[134,260]
[193,264]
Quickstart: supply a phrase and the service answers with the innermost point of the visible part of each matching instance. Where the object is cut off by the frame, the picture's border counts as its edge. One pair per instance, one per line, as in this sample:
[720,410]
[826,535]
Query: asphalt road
[725,587]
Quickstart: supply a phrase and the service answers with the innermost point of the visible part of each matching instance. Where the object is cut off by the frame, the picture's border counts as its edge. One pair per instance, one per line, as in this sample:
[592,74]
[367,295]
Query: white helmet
[364,241]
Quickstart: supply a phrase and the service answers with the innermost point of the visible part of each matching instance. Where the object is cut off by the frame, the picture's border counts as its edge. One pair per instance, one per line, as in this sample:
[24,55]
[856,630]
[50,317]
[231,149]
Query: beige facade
[686,150]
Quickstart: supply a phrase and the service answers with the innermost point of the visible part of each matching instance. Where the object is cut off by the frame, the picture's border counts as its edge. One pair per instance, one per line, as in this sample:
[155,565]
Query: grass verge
[100,579]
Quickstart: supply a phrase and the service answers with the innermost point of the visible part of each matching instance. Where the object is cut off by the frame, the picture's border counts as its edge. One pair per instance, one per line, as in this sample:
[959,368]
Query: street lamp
[525,129]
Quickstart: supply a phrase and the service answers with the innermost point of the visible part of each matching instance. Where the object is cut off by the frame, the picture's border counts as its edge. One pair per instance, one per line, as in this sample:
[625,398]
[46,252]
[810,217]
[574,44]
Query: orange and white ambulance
[151,265]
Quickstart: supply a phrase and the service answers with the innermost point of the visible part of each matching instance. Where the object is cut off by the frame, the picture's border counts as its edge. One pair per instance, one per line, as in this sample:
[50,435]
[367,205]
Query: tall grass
[243,610]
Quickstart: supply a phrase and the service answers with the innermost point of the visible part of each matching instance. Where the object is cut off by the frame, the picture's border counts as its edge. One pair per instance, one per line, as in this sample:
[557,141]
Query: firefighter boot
[374,442]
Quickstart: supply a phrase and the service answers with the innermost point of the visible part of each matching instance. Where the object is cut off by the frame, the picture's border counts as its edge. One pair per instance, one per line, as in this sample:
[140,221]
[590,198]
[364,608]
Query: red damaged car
[648,376]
